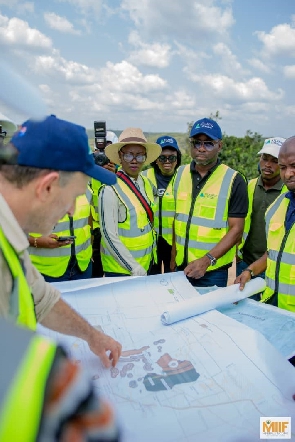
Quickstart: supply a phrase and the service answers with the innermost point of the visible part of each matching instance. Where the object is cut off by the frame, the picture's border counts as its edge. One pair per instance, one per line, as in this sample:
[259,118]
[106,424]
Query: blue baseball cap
[207,127]
[59,145]
[167,141]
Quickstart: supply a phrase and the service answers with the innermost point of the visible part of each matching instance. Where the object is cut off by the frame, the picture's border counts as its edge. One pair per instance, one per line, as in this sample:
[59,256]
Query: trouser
[163,256]
[72,273]
[97,269]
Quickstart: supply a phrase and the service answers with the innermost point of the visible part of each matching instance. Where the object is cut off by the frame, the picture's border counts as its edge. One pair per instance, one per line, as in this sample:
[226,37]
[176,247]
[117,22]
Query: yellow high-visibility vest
[164,208]
[280,271]
[24,375]
[200,228]
[136,232]
[54,262]
[251,189]
[21,303]
[95,186]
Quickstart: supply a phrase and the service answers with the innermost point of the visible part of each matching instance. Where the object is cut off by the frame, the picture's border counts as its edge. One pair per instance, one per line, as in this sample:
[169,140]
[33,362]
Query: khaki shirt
[45,295]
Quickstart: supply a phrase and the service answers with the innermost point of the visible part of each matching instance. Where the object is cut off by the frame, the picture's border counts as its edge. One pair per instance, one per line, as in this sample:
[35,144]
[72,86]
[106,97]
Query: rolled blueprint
[215,299]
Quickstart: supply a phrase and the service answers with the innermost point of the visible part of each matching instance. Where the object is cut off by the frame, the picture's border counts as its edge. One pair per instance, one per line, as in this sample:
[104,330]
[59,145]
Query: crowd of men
[62,217]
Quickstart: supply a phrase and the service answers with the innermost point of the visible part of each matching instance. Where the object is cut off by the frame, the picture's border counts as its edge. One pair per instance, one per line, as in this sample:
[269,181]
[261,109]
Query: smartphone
[66,238]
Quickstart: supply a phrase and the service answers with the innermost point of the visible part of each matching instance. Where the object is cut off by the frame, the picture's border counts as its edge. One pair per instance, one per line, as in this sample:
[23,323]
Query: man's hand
[242,279]
[110,166]
[100,344]
[48,242]
[196,269]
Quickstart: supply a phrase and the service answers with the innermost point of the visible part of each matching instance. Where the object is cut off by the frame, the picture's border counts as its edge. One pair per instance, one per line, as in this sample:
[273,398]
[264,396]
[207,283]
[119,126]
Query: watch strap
[250,271]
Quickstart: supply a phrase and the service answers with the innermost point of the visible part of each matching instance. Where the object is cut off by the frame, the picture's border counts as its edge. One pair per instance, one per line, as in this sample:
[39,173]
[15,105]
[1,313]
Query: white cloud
[230,64]
[280,41]
[126,77]
[289,71]
[258,64]
[17,33]
[63,70]
[185,20]
[155,54]
[226,88]
[59,23]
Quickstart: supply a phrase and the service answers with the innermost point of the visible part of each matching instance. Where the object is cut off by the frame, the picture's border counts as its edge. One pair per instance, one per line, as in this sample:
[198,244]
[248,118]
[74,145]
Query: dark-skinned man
[211,205]
[262,192]
[278,261]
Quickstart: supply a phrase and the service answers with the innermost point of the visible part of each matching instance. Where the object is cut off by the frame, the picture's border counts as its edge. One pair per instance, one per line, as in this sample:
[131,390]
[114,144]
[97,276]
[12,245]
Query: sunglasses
[209,145]
[128,157]
[169,158]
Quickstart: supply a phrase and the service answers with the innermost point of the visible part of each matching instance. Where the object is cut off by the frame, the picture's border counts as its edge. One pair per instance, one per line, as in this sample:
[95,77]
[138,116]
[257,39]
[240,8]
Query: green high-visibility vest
[164,208]
[21,304]
[136,232]
[26,362]
[280,271]
[200,228]
[54,262]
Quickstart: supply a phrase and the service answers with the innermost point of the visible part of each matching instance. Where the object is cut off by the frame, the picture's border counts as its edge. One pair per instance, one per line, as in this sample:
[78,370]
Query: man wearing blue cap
[211,205]
[43,170]
[162,174]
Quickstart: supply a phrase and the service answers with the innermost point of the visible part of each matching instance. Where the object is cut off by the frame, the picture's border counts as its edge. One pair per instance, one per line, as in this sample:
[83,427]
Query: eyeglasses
[209,145]
[128,157]
[169,158]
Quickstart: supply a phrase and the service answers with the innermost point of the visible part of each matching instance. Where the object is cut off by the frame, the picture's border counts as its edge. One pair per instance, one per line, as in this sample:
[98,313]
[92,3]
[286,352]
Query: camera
[100,137]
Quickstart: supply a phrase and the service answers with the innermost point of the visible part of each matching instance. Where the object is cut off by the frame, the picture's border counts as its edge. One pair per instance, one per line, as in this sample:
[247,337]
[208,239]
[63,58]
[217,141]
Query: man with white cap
[262,192]
[126,209]
[278,261]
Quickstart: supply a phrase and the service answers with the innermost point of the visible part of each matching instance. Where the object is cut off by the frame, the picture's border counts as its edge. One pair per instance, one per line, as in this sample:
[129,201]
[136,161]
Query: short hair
[20,176]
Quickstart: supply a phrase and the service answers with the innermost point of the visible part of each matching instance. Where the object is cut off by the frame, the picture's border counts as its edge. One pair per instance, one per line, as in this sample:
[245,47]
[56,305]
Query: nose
[289,172]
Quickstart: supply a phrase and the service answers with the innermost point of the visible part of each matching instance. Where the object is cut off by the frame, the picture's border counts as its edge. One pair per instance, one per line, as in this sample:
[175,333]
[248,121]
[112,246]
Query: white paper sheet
[234,377]
[209,301]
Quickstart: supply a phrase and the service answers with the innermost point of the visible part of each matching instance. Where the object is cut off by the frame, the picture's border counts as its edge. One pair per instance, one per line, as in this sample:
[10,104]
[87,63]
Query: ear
[219,146]
[47,185]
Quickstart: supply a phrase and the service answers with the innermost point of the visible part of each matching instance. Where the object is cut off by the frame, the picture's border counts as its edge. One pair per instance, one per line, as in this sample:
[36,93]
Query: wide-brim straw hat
[133,135]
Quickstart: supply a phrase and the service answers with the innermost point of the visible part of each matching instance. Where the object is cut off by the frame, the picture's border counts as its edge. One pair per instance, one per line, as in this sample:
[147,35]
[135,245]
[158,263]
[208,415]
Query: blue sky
[156,64]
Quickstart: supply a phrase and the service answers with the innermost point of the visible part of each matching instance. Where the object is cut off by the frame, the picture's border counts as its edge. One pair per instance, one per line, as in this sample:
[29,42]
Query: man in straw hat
[126,208]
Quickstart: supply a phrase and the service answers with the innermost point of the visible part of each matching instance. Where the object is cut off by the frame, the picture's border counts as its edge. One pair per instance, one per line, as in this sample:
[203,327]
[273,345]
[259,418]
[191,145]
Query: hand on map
[242,279]
[196,269]
[101,344]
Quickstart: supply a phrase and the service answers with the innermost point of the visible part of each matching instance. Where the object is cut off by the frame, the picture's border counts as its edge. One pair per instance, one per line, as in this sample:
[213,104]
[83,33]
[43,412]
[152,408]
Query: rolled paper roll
[212,300]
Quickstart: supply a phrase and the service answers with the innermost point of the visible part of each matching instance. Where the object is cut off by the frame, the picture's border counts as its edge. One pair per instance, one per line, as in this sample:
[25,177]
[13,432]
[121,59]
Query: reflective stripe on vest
[21,304]
[135,232]
[24,374]
[251,190]
[95,186]
[165,207]
[54,262]
[280,272]
[209,221]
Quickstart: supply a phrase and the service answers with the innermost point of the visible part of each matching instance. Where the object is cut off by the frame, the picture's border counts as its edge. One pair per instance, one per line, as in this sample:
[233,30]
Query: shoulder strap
[138,194]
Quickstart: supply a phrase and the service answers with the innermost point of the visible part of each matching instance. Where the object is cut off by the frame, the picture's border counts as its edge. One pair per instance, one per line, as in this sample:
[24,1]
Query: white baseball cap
[272,146]
[111,137]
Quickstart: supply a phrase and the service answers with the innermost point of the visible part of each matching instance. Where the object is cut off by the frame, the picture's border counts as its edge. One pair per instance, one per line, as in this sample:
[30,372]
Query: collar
[193,164]
[291,196]
[11,228]
[277,186]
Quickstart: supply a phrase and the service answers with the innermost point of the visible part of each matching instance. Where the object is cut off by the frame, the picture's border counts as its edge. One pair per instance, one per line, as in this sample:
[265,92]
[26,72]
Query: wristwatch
[250,271]
[213,260]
